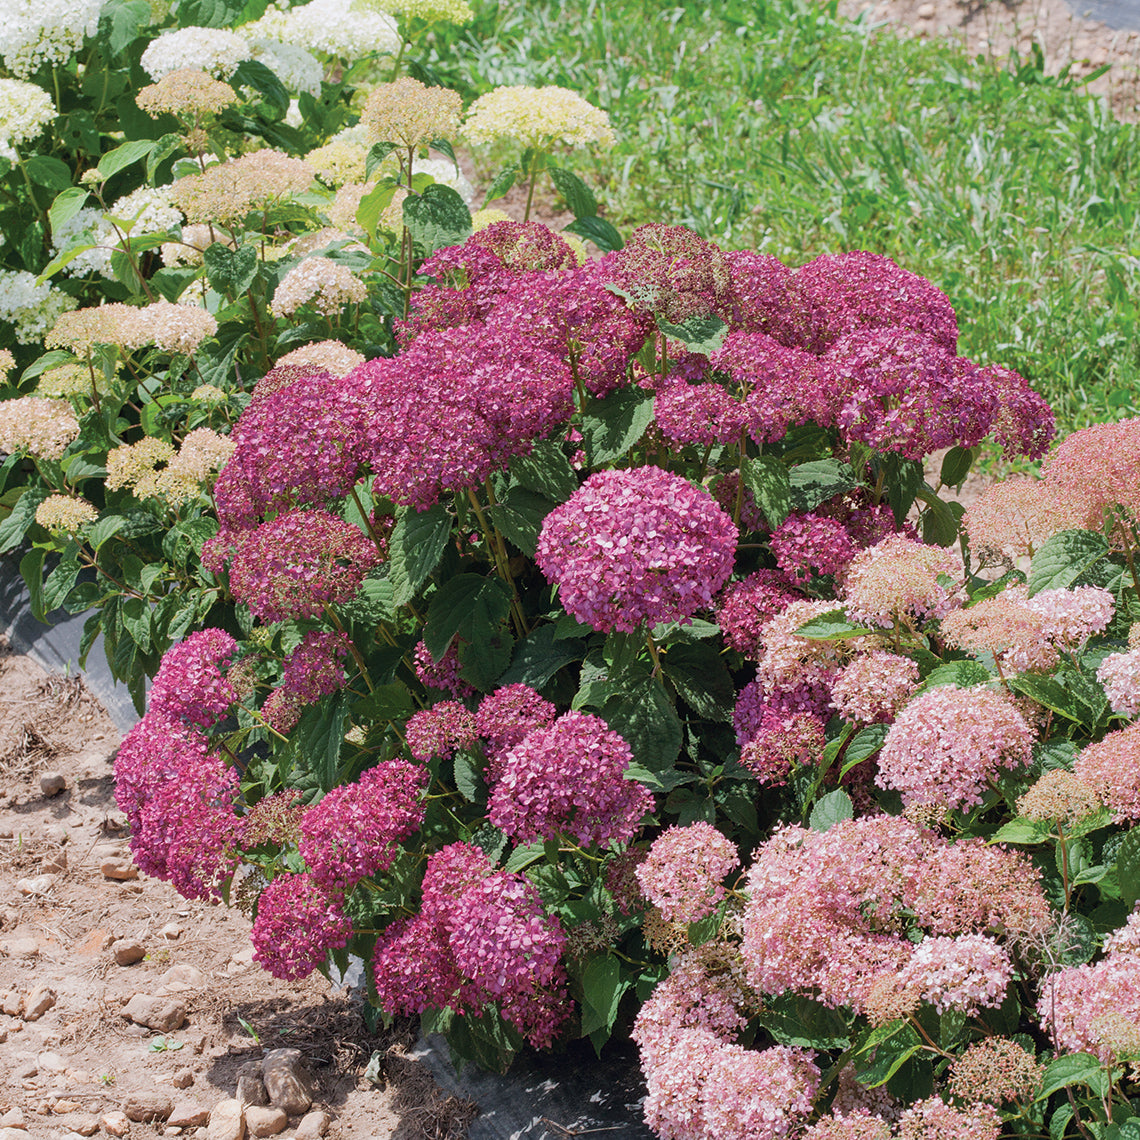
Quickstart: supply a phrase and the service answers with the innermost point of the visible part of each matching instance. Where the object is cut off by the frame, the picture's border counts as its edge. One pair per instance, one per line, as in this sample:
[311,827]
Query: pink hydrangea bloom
[757,297]
[682,874]
[1119,674]
[291,566]
[745,608]
[899,578]
[837,294]
[313,670]
[298,922]
[1013,518]
[1098,468]
[674,1081]
[1072,616]
[964,973]
[781,743]
[638,545]
[934,1119]
[190,684]
[874,686]
[758,1095]
[506,717]
[1025,423]
[440,730]
[764,707]
[805,545]
[569,779]
[179,799]
[904,393]
[415,968]
[1093,1009]
[728,492]
[789,659]
[444,673]
[298,443]
[704,414]
[354,830]
[858,1124]
[454,407]
[948,743]
[1112,767]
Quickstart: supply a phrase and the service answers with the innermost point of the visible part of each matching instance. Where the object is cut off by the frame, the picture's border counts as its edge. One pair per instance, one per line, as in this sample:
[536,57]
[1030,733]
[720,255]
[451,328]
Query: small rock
[197,1043]
[265,1121]
[40,885]
[86,1125]
[51,1063]
[313,1125]
[171,932]
[115,821]
[20,947]
[13,1134]
[55,863]
[119,869]
[12,1003]
[3,1034]
[65,1107]
[128,951]
[187,1114]
[227,1121]
[38,1002]
[115,1123]
[250,1086]
[926,11]
[52,783]
[179,979]
[146,1106]
[183,1079]
[26,1071]
[162,1014]
[289,1083]
[13,1118]
[95,941]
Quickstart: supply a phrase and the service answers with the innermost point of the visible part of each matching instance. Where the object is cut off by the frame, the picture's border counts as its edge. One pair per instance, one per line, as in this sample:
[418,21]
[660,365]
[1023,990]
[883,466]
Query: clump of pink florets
[682,873]
[634,546]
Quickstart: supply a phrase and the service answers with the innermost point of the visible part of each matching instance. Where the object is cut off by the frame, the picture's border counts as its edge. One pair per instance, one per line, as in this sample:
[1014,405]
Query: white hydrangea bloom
[334,27]
[31,308]
[217,51]
[86,228]
[38,32]
[25,110]
[443,171]
[355,136]
[298,69]
[147,210]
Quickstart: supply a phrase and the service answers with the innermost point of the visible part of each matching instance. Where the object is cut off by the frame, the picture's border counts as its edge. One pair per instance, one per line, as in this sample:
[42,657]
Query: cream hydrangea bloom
[35,32]
[25,110]
[62,512]
[538,117]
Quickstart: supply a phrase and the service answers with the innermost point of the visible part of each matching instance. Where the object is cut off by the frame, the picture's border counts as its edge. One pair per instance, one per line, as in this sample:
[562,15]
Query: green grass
[781,127]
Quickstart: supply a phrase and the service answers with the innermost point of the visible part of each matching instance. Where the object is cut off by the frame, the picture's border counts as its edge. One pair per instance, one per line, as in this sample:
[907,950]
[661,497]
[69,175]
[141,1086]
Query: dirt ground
[72,907]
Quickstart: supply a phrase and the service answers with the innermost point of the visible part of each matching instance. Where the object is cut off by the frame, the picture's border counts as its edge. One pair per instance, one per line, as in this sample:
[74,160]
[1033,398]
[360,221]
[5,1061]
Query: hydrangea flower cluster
[353,831]
[298,922]
[440,730]
[313,670]
[899,579]
[948,744]
[874,687]
[635,546]
[442,674]
[964,973]
[537,117]
[506,717]
[682,873]
[568,779]
[1119,675]
[1112,767]
[481,936]
[216,51]
[39,32]
[190,685]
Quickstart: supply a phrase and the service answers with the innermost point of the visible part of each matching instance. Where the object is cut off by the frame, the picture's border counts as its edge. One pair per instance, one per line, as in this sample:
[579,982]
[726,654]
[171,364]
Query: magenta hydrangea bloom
[313,670]
[1025,423]
[454,407]
[179,799]
[190,684]
[682,873]
[482,936]
[747,606]
[291,566]
[298,443]
[298,922]
[785,385]
[903,391]
[440,730]
[697,413]
[569,779]
[633,546]
[572,315]
[354,831]
[442,674]
[506,717]
[837,294]
[805,545]
[758,298]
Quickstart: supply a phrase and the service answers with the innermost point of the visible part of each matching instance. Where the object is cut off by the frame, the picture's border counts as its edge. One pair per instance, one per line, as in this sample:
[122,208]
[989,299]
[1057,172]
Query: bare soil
[63,1072]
